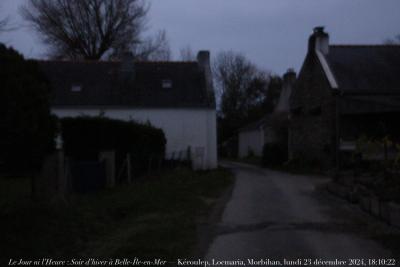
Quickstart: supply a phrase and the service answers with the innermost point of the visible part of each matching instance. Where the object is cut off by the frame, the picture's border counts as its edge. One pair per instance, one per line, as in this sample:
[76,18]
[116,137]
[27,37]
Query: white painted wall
[270,135]
[182,127]
[251,140]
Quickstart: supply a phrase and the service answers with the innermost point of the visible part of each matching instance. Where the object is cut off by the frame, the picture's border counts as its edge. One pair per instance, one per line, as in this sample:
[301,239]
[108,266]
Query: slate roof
[366,69]
[369,104]
[103,84]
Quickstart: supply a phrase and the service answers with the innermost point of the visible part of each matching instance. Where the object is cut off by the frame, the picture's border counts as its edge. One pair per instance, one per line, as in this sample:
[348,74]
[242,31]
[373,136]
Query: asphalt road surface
[273,217]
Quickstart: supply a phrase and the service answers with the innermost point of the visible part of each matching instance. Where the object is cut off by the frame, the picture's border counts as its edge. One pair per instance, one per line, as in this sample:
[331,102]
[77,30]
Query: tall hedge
[84,137]
[27,128]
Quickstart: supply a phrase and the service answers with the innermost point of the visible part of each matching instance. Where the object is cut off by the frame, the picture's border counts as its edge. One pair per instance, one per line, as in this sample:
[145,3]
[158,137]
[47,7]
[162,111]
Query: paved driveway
[278,216]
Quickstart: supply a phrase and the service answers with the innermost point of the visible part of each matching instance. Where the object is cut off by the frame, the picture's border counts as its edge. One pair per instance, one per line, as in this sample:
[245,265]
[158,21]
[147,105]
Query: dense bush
[26,127]
[274,154]
[84,137]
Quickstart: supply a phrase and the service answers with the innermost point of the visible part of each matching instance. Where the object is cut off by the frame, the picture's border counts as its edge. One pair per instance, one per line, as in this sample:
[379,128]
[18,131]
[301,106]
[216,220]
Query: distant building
[343,92]
[177,97]
[272,128]
[252,139]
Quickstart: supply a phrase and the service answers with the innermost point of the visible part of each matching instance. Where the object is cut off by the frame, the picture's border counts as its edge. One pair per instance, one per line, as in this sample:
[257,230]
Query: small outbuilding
[272,128]
[252,139]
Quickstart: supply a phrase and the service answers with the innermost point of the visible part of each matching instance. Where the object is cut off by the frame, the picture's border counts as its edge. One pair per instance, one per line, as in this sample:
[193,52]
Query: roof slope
[105,84]
[362,69]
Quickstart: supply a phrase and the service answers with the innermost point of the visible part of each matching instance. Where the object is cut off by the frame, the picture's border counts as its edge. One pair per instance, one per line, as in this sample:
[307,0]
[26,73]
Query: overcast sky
[272,33]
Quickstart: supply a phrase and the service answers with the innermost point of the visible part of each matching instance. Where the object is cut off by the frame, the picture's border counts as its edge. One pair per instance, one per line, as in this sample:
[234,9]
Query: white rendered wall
[251,141]
[270,135]
[182,127]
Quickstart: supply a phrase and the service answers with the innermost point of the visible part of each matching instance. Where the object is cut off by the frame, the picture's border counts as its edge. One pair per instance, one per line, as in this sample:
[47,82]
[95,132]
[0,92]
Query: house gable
[312,87]
[312,123]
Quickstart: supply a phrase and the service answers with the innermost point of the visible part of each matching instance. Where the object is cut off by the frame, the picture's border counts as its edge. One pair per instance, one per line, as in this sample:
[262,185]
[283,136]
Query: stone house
[342,93]
[177,97]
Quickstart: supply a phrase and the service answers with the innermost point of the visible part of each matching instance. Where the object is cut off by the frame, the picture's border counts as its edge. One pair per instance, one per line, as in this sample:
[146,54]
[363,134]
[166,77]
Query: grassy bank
[154,218]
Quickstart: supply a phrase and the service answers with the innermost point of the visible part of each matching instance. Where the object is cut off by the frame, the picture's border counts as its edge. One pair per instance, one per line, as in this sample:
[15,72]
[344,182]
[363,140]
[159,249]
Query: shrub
[274,154]
[27,128]
[84,137]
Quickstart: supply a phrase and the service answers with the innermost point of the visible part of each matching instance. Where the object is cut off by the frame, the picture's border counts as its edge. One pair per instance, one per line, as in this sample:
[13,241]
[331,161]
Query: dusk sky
[272,33]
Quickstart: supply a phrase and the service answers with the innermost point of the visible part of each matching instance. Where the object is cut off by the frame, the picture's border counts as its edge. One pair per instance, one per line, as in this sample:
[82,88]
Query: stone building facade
[312,104]
[342,92]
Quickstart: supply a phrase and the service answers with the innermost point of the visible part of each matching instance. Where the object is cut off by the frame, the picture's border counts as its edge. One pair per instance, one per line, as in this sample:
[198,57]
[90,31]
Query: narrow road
[279,216]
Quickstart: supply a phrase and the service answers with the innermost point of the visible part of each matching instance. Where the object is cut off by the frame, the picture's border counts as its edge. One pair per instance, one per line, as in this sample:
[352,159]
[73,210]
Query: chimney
[319,40]
[203,61]
[127,68]
[289,78]
[126,73]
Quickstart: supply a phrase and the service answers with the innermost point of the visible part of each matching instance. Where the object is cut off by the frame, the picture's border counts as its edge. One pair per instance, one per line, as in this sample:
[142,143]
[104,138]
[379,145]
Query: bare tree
[240,84]
[241,90]
[89,29]
[150,49]
[4,24]
[187,54]
[393,41]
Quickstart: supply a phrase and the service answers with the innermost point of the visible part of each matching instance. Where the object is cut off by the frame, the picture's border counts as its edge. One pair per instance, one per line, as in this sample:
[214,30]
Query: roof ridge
[114,61]
[366,45]
[76,61]
[167,62]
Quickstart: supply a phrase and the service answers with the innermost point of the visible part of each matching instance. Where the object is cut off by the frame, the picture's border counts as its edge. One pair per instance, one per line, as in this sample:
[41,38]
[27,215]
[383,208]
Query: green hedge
[84,137]
[27,128]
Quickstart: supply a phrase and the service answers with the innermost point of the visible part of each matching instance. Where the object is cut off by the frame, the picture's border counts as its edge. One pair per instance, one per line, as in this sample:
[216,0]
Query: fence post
[129,168]
[62,184]
[51,183]
[109,158]
[159,162]
[149,166]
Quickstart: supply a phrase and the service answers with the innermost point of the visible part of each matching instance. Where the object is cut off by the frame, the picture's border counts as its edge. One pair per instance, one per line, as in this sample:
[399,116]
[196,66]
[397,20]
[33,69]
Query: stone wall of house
[312,119]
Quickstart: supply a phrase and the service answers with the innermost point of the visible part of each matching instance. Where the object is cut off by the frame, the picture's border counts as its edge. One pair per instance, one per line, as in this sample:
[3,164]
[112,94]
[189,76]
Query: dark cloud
[273,33]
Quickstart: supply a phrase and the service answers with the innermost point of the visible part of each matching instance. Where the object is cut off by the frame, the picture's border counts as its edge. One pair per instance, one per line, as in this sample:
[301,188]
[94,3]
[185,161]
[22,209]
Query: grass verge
[154,218]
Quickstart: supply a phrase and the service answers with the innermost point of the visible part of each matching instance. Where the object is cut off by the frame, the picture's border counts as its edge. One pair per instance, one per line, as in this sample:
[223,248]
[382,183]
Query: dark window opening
[76,88]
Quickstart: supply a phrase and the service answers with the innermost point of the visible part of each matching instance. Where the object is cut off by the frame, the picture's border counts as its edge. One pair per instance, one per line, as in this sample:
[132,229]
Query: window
[76,88]
[166,84]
